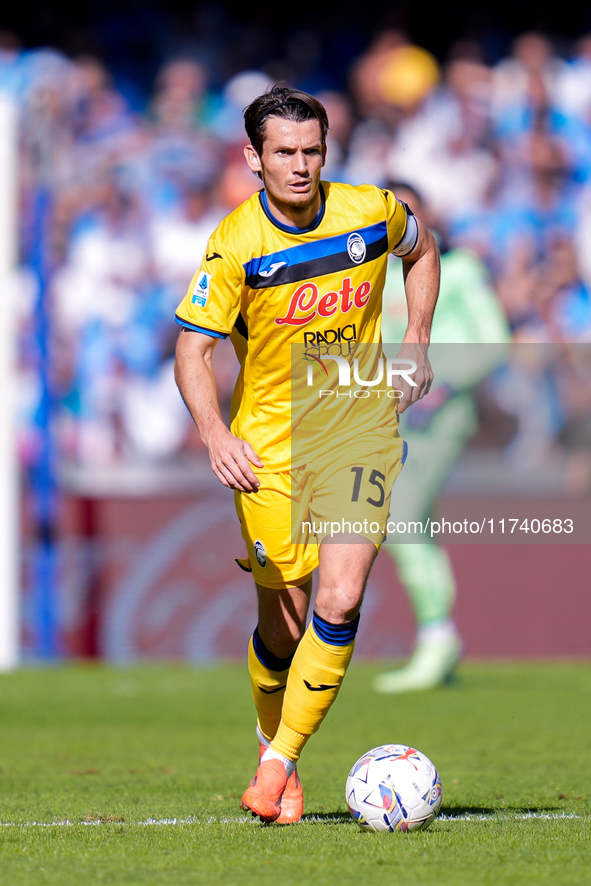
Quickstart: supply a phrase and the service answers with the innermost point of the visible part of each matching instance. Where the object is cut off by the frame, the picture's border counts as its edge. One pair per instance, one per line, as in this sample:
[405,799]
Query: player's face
[290,164]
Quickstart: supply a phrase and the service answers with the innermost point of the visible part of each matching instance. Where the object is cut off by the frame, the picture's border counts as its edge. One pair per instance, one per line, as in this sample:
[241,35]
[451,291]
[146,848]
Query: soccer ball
[393,788]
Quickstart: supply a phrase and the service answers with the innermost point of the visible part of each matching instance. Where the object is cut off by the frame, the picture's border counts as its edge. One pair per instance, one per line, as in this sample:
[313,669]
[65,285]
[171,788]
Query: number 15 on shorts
[375,479]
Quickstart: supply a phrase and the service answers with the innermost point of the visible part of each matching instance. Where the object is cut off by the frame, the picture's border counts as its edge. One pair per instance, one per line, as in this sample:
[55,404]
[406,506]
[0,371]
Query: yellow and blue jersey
[269,286]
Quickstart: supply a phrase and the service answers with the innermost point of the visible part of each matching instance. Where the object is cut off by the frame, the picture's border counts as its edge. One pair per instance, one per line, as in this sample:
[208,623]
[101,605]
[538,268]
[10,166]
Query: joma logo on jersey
[307,303]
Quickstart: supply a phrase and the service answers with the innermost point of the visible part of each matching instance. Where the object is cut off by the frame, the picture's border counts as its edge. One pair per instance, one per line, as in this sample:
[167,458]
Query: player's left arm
[421,271]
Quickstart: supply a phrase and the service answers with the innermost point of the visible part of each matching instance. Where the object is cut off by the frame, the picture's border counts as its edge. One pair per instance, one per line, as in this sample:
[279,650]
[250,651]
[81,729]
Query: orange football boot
[292,800]
[263,795]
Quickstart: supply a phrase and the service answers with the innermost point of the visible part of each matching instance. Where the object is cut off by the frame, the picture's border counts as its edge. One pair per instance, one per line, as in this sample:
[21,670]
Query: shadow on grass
[457,811]
[445,812]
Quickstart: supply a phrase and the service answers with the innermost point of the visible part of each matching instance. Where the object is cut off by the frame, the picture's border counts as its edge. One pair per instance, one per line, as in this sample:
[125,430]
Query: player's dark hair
[281,101]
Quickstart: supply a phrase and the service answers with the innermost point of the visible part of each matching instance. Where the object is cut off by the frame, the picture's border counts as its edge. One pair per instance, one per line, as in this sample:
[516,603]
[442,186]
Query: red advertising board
[156,578]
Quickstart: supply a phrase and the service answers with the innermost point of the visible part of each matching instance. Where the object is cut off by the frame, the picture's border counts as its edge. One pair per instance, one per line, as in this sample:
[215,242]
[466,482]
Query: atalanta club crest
[356,248]
[260,553]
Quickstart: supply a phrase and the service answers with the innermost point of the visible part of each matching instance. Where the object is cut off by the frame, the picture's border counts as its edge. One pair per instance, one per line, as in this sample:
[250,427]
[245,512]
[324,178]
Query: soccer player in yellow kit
[302,262]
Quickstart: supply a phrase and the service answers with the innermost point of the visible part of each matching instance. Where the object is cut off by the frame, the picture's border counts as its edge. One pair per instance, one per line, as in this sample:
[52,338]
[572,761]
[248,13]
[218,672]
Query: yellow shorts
[294,511]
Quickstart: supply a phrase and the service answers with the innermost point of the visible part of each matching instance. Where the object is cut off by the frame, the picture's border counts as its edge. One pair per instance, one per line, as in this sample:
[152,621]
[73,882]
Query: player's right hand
[231,460]
[422,375]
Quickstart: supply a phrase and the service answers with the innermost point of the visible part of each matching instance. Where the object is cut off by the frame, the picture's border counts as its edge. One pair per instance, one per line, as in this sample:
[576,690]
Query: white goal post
[9,469]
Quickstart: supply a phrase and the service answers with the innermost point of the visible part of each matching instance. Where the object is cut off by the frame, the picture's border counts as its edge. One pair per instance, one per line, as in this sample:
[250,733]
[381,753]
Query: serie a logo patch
[201,290]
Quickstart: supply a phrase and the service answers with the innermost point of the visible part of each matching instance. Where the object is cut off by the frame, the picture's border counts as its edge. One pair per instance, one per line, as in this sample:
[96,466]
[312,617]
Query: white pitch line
[517,816]
[244,819]
[65,822]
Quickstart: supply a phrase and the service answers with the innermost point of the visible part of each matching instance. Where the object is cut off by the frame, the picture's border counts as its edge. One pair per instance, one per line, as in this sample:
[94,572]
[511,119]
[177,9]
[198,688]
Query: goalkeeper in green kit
[436,431]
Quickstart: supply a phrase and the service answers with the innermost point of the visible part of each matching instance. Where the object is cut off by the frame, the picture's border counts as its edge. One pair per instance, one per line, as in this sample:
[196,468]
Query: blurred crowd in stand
[126,198]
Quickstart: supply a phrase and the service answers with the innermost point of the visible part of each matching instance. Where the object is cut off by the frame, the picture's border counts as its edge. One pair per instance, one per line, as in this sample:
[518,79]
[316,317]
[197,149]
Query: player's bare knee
[338,603]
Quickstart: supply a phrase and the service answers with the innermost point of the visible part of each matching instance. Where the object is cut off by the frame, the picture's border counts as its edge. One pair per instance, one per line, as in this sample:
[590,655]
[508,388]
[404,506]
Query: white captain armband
[411,235]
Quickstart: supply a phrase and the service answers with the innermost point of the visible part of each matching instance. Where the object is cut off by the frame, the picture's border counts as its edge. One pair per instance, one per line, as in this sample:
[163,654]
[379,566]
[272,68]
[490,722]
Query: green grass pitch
[134,776]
